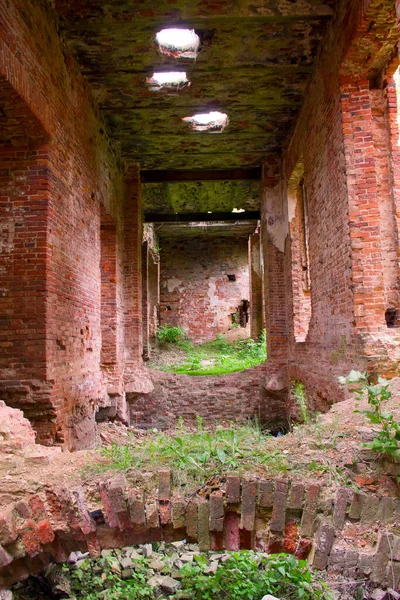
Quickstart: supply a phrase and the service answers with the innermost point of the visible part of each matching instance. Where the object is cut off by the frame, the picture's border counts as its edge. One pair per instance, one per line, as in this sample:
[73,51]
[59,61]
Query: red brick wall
[342,138]
[195,292]
[256,303]
[59,192]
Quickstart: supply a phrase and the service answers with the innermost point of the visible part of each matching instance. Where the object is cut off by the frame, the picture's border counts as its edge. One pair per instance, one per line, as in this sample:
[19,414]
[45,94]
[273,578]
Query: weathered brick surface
[262,519]
[310,510]
[249,491]
[233,489]
[278,517]
[216,511]
[195,292]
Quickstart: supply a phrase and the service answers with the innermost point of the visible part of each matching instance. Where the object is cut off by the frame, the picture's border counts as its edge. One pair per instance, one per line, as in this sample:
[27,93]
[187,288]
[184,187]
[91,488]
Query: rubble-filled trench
[328,501]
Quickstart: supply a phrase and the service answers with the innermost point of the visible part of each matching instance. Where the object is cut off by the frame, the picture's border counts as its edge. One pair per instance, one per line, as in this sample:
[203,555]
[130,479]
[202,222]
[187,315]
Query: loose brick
[278,517]
[45,532]
[216,511]
[233,489]
[249,490]
[324,542]
[8,531]
[178,514]
[343,497]
[232,534]
[192,521]
[310,510]
[296,496]
[164,484]
[152,518]
[265,494]
[203,526]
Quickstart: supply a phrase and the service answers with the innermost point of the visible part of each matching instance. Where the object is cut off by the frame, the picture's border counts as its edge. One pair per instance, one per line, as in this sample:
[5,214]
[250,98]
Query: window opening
[179,43]
[213,121]
[231,277]
[299,242]
[391,317]
[171,80]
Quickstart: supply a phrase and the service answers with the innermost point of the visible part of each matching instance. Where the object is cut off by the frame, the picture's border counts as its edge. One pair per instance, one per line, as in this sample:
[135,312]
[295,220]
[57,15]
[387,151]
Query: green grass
[196,454]
[218,357]
[246,575]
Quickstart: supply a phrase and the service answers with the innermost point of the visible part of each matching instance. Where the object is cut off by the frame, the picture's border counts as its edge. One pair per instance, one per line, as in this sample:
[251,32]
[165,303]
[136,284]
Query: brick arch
[274,515]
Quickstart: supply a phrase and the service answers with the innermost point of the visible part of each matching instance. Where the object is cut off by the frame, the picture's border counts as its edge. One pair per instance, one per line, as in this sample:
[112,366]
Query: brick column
[256,316]
[364,207]
[145,300]
[272,247]
[132,270]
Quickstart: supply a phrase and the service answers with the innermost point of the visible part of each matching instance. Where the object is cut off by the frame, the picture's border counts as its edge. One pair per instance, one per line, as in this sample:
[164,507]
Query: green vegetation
[217,357]
[246,575]
[167,334]
[97,580]
[301,401]
[197,454]
[387,441]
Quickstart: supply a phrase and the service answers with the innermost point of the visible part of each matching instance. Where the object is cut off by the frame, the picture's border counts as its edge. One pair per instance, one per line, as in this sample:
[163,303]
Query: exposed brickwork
[195,292]
[233,397]
[129,517]
[57,169]
[256,286]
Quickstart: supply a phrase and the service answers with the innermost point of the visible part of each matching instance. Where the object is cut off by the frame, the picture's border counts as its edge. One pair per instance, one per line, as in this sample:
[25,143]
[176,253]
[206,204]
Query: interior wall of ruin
[203,282]
[59,169]
[338,142]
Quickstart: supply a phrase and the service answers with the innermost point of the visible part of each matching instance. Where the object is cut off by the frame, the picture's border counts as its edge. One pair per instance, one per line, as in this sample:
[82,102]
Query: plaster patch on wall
[292,201]
[173,284]
[276,215]
[7,234]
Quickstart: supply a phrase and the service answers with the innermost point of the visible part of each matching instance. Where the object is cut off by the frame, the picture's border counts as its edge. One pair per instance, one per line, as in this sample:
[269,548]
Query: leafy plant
[196,454]
[244,576]
[95,580]
[170,335]
[387,442]
[301,401]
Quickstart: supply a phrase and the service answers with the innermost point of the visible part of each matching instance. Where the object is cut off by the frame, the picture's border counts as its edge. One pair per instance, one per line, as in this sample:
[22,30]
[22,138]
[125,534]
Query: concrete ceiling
[255,68]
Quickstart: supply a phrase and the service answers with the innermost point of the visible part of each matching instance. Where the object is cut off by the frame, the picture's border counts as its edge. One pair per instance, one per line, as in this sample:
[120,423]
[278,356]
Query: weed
[387,441]
[197,454]
[300,396]
[170,335]
[244,576]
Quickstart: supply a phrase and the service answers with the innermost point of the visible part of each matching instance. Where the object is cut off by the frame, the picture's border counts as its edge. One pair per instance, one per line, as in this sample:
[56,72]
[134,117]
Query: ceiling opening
[179,43]
[171,80]
[213,121]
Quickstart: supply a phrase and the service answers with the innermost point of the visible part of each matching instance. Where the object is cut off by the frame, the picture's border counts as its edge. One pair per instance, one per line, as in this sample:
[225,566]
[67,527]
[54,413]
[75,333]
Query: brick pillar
[362,169]
[256,317]
[272,246]
[154,294]
[133,272]
[145,300]
[109,301]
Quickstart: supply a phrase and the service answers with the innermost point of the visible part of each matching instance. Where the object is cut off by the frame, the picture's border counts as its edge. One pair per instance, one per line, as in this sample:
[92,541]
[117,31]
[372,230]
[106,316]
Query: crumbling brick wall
[58,168]
[203,282]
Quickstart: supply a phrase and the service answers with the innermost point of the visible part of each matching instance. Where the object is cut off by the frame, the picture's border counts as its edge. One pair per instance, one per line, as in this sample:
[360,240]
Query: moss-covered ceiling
[256,69]
[200,196]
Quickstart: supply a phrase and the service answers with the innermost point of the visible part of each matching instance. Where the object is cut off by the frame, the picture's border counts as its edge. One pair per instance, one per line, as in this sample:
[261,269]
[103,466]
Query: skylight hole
[170,80]
[213,121]
[179,43]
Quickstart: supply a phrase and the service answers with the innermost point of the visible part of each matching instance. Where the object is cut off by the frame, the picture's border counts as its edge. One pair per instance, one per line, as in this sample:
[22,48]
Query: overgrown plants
[387,441]
[217,357]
